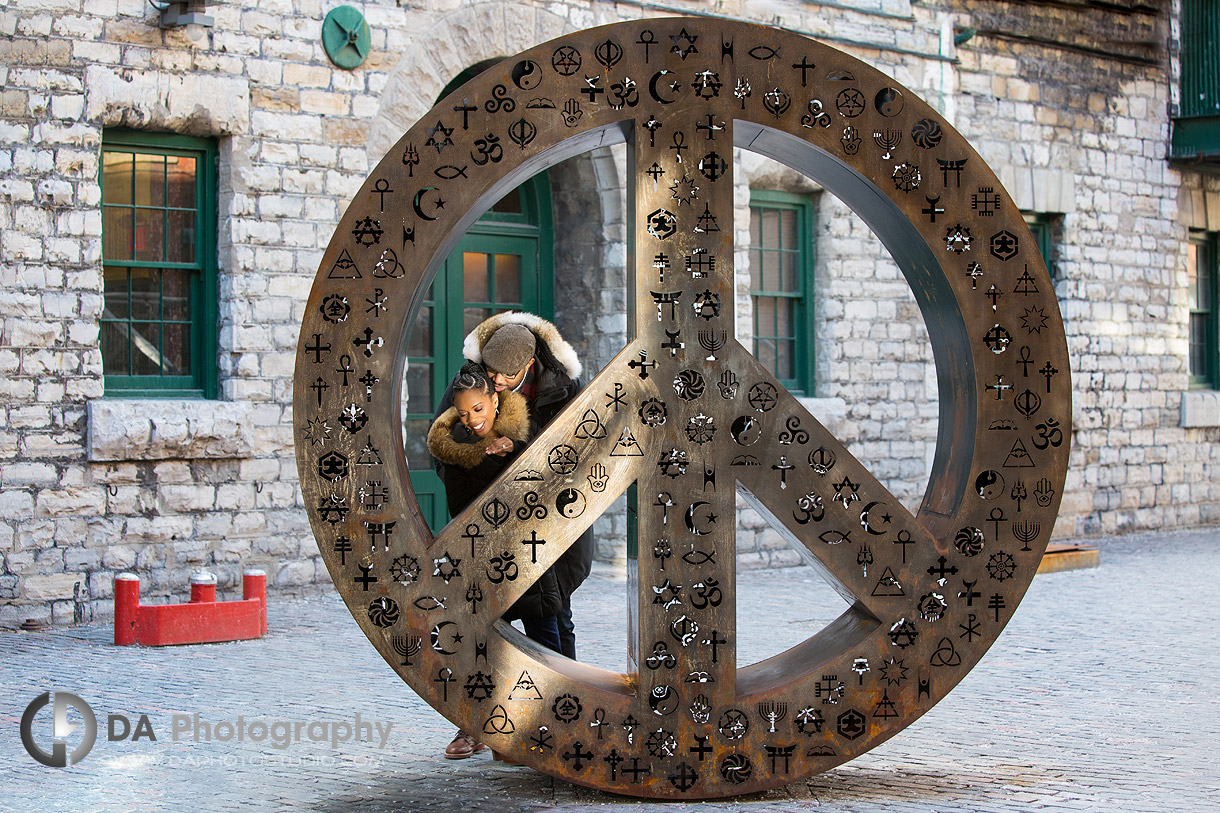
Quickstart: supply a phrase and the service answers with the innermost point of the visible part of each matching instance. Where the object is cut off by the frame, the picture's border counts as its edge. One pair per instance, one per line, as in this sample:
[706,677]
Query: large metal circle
[684,411]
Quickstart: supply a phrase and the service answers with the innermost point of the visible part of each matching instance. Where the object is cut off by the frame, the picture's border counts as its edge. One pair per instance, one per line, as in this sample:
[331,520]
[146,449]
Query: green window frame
[1203,331]
[781,286]
[159,212]
[1042,228]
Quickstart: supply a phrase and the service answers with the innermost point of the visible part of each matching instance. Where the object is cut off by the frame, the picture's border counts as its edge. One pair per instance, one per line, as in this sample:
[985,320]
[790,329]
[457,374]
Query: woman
[476,438]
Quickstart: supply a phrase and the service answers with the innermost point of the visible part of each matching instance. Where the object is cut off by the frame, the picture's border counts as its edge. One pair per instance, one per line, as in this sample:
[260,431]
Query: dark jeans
[567,634]
[543,630]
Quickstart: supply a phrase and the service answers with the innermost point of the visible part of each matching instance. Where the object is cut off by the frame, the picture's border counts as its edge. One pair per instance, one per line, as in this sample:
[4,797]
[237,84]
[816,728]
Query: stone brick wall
[91,486]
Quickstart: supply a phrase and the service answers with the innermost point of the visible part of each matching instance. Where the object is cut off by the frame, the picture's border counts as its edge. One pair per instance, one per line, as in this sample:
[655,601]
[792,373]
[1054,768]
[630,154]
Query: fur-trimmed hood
[452,443]
[544,332]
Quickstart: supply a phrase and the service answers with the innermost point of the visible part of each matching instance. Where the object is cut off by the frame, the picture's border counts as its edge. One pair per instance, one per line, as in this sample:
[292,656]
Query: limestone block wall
[91,486]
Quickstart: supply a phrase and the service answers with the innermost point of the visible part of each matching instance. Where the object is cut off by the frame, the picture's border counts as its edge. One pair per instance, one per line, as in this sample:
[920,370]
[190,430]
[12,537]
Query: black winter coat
[557,382]
[469,470]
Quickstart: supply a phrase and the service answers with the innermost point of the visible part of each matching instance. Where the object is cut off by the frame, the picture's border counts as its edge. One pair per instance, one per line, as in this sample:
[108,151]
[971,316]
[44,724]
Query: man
[526,354]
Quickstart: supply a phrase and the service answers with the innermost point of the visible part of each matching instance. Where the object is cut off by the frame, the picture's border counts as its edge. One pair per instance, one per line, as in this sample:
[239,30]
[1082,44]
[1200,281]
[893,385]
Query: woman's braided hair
[472,376]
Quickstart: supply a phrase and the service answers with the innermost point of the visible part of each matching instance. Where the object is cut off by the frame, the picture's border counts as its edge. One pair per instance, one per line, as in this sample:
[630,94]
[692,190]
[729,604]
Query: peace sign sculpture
[687,414]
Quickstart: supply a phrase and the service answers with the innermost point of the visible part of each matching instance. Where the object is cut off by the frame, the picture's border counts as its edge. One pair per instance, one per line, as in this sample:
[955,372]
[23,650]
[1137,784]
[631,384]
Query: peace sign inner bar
[690,417]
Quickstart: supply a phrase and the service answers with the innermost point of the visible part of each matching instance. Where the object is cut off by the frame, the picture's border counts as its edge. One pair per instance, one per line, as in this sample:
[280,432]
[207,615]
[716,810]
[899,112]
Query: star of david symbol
[631,425]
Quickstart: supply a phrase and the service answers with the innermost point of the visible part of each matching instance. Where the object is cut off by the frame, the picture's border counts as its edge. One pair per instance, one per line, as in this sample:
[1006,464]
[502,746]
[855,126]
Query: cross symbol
[684,777]
[970,594]
[997,517]
[577,757]
[592,89]
[996,603]
[320,385]
[364,579]
[652,125]
[904,539]
[804,67]
[534,542]
[343,546]
[974,271]
[381,189]
[472,533]
[783,468]
[941,571]
[673,345]
[368,380]
[664,502]
[345,367]
[614,759]
[444,677]
[679,144]
[714,642]
[710,127]
[616,400]
[1025,361]
[643,364]
[317,348]
[1000,387]
[993,293]
[1048,372]
[655,172]
[368,341]
[701,747]
[465,108]
[635,770]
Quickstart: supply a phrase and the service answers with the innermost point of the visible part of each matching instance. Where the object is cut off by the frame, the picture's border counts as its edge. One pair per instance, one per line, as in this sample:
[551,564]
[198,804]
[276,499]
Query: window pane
[788,228]
[145,294]
[764,316]
[419,389]
[181,179]
[756,270]
[114,348]
[418,458]
[176,297]
[508,279]
[785,364]
[1198,344]
[1192,269]
[786,319]
[509,204]
[146,348]
[421,334]
[116,177]
[116,233]
[116,293]
[765,350]
[474,277]
[181,237]
[770,228]
[176,353]
[150,180]
[789,282]
[471,317]
[755,226]
[149,235]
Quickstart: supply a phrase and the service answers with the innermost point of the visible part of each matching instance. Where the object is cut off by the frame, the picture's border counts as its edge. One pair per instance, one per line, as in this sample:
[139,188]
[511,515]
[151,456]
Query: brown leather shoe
[463,746]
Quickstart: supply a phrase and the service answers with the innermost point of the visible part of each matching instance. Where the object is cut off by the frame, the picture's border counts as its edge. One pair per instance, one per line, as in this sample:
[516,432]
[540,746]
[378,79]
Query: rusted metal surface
[687,413]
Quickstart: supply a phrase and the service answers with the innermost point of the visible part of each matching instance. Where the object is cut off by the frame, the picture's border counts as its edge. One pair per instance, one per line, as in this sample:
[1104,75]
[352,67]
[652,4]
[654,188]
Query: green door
[503,263]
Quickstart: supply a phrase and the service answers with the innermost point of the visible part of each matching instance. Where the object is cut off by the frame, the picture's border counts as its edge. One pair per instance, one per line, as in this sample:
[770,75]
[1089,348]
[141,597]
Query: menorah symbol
[406,645]
[1026,532]
[887,140]
[772,712]
[711,342]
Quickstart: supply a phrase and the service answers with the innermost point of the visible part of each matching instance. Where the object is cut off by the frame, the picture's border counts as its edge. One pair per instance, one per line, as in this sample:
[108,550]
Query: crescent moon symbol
[652,88]
[419,209]
[690,518]
[864,521]
[436,638]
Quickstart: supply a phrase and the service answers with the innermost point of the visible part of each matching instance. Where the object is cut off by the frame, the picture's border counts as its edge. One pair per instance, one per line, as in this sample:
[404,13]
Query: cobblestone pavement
[1096,697]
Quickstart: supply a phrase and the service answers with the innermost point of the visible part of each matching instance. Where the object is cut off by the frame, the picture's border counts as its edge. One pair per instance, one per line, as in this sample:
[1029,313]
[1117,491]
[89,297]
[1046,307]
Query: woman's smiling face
[476,410]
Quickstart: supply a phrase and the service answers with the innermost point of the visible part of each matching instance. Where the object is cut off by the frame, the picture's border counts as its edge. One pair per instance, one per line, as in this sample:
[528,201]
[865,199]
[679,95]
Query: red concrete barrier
[201,620]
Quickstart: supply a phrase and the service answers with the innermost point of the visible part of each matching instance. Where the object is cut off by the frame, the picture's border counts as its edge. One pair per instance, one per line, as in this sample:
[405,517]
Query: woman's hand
[500,446]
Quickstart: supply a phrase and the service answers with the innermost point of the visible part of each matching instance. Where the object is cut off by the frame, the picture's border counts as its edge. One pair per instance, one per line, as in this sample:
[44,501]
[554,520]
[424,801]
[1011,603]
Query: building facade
[166,194]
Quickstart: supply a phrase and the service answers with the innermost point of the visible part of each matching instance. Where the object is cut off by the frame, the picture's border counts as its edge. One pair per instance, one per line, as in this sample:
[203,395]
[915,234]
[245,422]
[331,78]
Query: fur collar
[451,443]
[543,331]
